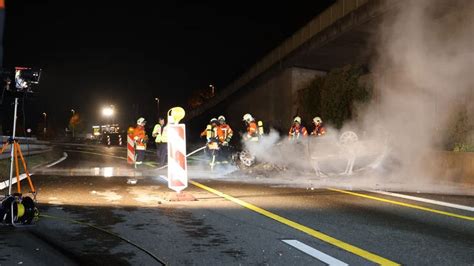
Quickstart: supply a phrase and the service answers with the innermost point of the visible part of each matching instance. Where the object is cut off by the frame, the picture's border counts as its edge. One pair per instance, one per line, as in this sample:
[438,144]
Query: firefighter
[212,144]
[297,131]
[140,138]
[319,129]
[224,131]
[211,131]
[159,133]
[254,129]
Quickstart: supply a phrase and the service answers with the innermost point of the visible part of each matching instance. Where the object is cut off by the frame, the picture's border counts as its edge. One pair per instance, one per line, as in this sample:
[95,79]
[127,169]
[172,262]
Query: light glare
[108,111]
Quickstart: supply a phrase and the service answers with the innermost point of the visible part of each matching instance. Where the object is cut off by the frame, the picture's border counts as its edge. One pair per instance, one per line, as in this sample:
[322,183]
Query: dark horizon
[126,55]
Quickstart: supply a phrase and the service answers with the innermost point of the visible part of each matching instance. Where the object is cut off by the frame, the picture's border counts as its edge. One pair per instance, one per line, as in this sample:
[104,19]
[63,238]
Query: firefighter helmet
[141,121]
[248,118]
[213,120]
[317,120]
[297,120]
[221,118]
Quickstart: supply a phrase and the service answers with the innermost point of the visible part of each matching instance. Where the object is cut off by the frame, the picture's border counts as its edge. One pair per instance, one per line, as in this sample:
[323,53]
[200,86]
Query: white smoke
[422,73]
[292,154]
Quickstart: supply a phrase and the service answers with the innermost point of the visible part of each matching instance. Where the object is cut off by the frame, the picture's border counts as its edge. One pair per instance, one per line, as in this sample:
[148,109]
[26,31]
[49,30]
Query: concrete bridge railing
[321,22]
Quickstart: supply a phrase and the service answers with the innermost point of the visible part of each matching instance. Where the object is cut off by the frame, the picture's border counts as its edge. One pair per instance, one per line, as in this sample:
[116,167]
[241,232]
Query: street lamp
[44,128]
[73,126]
[212,89]
[157,105]
[108,111]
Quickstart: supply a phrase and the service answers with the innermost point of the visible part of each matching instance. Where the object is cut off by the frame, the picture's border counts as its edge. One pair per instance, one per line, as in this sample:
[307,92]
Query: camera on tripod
[23,78]
[15,209]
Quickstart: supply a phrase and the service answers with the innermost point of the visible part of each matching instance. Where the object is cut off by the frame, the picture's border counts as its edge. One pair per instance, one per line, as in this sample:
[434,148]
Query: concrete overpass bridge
[338,36]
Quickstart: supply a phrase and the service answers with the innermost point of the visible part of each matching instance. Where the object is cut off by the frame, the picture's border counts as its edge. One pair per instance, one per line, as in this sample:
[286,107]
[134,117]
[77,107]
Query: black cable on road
[161,262]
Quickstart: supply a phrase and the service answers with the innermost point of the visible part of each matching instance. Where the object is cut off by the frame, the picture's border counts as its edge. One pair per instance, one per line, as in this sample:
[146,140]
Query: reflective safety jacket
[164,134]
[252,131]
[158,134]
[297,131]
[210,133]
[224,133]
[318,130]
[260,128]
[140,137]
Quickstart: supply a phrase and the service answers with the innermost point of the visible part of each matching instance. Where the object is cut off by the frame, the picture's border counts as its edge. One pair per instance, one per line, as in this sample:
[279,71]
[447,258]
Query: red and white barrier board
[177,164]
[130,150]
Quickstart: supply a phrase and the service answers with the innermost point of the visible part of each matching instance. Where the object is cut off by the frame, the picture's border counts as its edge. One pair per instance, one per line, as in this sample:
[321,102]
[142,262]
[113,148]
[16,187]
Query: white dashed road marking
[314,253]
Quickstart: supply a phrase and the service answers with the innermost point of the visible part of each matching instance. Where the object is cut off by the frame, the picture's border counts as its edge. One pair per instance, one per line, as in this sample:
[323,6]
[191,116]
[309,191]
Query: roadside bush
[335,96]
[460,135]
[464,147]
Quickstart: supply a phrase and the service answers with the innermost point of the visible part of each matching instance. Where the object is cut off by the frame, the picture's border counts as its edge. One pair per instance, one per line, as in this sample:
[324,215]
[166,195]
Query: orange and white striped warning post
[177,163]
[130,149]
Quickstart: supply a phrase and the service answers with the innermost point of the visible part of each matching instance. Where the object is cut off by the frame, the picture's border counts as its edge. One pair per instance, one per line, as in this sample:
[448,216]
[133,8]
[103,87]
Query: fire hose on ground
[187,155]
[161,262]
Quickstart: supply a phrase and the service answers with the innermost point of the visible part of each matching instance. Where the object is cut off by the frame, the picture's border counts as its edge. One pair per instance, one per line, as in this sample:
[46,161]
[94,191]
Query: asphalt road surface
[91,215]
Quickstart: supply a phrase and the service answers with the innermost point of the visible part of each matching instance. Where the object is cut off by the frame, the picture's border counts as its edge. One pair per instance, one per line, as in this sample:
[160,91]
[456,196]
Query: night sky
[95,53]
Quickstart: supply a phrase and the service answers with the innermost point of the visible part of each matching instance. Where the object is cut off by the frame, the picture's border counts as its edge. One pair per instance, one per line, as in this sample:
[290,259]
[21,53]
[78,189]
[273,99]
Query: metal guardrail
[6,155]
[325,19]
[29,146]
[24,140]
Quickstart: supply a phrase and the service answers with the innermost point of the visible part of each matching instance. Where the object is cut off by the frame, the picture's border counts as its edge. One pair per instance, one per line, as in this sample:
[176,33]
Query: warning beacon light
[175,115]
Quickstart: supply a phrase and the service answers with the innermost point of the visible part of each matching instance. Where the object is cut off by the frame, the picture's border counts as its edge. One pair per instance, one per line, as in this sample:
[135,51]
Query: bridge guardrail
[336,11]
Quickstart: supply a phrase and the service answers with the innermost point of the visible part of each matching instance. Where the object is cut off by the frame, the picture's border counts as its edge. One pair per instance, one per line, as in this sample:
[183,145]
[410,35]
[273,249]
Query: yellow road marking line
[408,205]
[321,236]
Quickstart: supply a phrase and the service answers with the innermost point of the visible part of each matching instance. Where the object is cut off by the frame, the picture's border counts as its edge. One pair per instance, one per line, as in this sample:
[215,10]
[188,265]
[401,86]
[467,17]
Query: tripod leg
[26,170]
[4,147]
[15,152]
